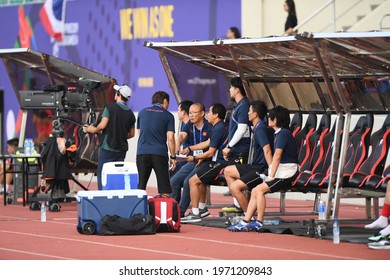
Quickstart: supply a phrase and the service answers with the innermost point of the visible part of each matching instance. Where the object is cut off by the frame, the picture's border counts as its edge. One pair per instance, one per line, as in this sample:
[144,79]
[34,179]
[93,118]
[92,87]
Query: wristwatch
[228,147]
[172,157]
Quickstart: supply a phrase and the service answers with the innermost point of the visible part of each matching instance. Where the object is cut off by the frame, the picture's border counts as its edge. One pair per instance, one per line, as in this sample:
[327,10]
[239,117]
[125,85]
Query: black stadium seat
[320,175]
[378,183]
[302,139]
[316,140]
[374,164]
[296,123]
[358,145]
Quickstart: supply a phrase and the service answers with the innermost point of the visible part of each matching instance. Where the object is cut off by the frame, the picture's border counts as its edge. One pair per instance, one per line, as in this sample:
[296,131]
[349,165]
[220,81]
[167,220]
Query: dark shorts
[237,158]
[208,173]
[281,184]
[250,175]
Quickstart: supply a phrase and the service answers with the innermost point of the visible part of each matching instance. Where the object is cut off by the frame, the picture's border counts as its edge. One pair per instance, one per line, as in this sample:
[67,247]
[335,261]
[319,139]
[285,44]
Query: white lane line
[35,254]
[109,245]
[251,246]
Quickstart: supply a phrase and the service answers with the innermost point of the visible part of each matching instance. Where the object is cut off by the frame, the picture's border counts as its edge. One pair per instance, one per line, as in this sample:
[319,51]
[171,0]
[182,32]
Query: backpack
[166,213]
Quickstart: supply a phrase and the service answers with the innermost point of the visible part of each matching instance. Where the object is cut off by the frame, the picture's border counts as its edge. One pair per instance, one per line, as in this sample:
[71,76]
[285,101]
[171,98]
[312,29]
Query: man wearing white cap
[117,124]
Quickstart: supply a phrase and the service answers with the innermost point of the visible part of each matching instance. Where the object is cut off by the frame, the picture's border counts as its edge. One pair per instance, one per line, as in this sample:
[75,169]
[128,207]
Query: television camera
[64,100]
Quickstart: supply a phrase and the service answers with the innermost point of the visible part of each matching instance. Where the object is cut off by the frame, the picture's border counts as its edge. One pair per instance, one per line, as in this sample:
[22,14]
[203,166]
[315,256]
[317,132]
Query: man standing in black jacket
[117,125]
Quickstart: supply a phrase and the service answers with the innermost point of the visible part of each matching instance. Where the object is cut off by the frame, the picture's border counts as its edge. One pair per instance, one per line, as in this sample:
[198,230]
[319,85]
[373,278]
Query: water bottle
[31,146]
[127,182]
[26,146]
[336,232]
[271,222]
[321,210]
[43,212]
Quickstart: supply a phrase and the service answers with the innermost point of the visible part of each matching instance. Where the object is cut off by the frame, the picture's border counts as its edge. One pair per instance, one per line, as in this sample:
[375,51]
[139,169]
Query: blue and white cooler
[92,206]
[119,176]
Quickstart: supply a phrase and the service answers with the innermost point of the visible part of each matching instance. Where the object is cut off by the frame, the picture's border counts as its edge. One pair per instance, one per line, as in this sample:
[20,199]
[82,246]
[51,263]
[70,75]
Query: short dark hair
[236,32]
[200,105]
[13,142]
[159,96]
[218,108]
[282,116]
[237,83]
[260,108]
[185,105]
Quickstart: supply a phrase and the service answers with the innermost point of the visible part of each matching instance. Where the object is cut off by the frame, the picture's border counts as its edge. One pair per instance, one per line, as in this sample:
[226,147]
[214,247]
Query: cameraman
[117,125]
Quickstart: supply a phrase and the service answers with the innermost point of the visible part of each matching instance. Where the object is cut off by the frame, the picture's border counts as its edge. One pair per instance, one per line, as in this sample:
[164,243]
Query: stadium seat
[321,170]
[296,123]
[374,164]
[316,140]
[358,146]
[302,139]
[378,183]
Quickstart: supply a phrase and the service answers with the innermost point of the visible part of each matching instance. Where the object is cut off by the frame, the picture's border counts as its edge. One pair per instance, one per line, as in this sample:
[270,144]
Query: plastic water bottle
[321,210]
[127,182]
[43,212]
[336,232]
[26,146]
[31,146]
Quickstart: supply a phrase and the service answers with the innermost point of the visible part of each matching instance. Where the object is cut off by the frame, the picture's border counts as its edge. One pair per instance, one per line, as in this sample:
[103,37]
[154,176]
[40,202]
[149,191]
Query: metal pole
[22,134]
[2,123]
[335,103]
[344,104]
[334,16]
[240,72]
[171,79]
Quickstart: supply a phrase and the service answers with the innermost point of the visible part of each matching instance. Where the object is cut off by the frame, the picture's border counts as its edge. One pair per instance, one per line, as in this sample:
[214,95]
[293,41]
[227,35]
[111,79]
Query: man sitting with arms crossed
[240,177]
[206,174]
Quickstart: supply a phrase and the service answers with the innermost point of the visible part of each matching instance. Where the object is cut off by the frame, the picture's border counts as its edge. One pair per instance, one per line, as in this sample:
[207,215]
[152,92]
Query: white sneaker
[380,245]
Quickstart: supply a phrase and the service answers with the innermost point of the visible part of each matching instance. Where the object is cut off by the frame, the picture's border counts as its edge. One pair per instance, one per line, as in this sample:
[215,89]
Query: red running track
[24,237]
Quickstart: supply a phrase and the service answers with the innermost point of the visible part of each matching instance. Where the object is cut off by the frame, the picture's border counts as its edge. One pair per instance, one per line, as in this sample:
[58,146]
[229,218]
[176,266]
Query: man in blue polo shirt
[207,172]
[242,177]
[183,114]
[237,149]
[197,130]
[155,126]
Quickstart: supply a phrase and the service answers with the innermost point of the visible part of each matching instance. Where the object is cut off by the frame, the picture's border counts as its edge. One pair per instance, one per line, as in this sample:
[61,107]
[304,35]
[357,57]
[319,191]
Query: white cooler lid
[111,193]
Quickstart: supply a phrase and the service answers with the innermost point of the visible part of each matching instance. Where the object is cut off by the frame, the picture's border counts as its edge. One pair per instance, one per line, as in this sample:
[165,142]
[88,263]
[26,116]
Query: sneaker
[191,218]
[381,245]
[256,225]
[378,237]
[228,193]
[232,209]
[240,226]
[204,212]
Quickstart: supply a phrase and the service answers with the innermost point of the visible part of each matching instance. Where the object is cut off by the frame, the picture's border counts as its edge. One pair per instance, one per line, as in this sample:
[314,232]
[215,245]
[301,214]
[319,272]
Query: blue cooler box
[92,206]
[120,176]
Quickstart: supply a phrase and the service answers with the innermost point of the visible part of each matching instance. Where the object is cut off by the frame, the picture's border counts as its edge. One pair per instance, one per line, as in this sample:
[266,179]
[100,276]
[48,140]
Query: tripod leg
[79,184]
